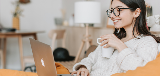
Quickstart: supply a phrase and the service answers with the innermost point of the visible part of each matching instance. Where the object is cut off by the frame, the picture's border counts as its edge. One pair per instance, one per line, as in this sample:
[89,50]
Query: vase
[16,23]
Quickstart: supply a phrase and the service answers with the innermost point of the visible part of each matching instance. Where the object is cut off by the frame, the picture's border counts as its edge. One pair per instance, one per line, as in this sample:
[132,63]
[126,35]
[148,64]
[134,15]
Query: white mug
[106,52]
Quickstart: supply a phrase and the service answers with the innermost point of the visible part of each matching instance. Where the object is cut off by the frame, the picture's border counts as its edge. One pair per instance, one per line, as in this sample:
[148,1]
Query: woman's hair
[140,23]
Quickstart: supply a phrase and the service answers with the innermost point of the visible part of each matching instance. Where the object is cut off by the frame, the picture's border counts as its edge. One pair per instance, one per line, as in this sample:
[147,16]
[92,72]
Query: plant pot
[16,23]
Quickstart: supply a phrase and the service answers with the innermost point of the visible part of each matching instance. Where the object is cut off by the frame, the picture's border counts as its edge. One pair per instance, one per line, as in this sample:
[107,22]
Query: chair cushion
[90,49]
[152,68]
[7,72]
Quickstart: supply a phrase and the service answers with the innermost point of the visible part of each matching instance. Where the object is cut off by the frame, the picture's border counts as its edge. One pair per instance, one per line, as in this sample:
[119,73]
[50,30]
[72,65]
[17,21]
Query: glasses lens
[109,12]
[117,11]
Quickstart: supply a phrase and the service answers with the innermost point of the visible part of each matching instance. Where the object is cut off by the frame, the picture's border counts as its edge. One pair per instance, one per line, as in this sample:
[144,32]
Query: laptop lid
[43,58]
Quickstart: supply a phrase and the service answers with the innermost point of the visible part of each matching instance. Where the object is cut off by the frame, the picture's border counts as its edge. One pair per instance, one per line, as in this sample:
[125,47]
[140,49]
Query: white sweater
[139,53]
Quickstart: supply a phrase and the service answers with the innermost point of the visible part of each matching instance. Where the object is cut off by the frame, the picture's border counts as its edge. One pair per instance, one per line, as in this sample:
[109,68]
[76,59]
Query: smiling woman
[134,45]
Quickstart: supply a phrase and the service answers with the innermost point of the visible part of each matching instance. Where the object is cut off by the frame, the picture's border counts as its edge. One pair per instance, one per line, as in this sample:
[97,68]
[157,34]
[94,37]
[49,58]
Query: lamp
[86,12]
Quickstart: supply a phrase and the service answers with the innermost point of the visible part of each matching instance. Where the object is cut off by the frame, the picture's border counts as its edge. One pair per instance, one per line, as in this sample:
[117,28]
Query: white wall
[38,15]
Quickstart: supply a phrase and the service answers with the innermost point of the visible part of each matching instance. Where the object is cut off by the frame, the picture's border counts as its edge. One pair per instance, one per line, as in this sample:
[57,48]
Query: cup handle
[98,41]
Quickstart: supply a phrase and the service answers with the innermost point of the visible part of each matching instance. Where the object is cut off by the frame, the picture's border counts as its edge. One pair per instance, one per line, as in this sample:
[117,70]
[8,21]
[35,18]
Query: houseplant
[17,12]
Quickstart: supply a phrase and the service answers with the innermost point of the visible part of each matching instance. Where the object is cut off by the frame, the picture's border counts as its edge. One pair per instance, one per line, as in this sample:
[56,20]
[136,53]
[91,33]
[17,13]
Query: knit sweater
[139,53]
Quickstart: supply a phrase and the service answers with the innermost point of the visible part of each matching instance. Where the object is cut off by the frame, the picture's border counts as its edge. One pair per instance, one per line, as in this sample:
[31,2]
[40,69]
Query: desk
[19,35]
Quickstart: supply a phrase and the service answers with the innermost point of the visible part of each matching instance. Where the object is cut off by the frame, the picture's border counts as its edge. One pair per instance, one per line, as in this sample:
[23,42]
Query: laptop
[43,58]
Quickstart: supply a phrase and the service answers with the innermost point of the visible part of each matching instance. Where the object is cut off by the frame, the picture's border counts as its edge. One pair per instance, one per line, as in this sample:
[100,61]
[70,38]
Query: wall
[38,15]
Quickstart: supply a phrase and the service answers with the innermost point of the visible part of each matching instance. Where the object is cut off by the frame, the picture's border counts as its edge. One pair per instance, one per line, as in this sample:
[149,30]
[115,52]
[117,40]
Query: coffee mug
[106,52]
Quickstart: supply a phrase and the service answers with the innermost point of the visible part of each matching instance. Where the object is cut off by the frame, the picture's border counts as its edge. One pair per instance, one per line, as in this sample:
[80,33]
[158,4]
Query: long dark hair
[140,23]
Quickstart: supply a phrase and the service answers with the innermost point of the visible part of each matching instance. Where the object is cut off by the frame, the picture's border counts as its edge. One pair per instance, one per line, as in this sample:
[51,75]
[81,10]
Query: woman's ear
[137,12]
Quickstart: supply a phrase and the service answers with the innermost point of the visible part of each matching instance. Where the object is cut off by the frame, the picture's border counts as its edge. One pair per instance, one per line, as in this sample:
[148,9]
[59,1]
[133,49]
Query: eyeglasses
[116,11]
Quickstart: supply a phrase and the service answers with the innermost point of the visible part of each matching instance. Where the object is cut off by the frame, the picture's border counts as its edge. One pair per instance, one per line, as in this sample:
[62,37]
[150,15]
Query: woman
[135,45]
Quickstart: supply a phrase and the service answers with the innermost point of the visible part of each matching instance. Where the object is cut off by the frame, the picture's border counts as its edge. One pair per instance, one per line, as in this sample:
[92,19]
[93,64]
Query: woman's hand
[112,41]
[82,71]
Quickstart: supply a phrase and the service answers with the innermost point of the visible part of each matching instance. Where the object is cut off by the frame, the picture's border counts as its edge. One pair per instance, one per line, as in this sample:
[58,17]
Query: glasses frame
[114,12]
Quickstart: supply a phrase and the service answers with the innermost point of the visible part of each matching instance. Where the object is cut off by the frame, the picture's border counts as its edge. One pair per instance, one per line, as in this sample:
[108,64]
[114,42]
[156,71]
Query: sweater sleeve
[88,61]
[146,51]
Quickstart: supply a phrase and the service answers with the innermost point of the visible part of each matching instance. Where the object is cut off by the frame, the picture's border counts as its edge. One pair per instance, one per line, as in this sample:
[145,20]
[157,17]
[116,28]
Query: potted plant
[17,12]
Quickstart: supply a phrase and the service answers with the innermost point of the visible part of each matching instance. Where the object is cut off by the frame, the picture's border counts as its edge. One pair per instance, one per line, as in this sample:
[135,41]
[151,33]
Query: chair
[57,34]
[90,49]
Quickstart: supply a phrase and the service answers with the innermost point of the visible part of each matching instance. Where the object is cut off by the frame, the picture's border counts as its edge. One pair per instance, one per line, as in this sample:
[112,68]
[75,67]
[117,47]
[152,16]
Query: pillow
[152,68]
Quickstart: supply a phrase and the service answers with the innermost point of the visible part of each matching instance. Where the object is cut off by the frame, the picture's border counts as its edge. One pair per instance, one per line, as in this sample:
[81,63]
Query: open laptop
[43,58]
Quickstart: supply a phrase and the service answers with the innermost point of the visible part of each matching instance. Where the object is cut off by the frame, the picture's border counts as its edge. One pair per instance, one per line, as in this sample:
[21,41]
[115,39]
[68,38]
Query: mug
[106,52]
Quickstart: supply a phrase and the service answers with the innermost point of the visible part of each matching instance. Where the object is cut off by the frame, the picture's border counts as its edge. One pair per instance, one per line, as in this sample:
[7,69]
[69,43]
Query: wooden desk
[19,35]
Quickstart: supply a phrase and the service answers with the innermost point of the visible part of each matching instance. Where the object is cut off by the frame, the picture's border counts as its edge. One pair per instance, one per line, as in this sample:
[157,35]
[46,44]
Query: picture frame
[109,21]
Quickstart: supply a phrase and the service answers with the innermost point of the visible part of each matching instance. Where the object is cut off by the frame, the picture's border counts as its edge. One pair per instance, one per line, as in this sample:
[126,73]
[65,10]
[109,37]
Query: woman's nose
[112,15]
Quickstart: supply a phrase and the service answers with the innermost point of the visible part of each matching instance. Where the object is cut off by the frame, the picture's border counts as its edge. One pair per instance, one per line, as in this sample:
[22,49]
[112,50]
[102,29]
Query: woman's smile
[116,21]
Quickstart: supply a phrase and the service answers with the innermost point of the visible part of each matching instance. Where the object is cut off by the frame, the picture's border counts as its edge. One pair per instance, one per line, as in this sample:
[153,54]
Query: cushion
[7,72]
[152,68]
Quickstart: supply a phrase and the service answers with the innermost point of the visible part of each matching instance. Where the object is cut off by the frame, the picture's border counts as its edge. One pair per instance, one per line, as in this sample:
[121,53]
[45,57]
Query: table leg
[35,36]
[4,52]
[21,52]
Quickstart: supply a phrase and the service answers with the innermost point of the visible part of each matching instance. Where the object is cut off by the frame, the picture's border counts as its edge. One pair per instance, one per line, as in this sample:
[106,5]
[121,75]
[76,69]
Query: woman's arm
[130,59]
[88,61]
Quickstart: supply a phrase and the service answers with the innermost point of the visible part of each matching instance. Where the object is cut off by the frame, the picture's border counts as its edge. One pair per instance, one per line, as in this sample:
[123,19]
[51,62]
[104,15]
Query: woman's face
[125,18]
